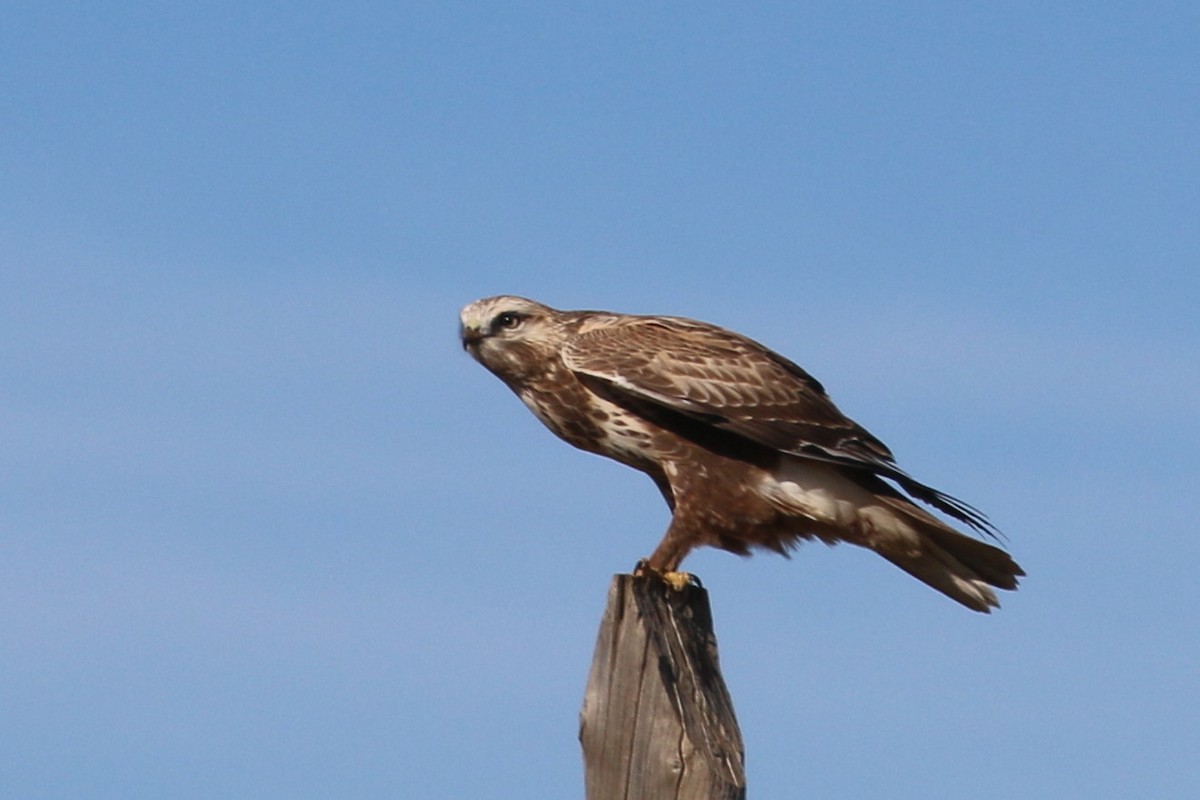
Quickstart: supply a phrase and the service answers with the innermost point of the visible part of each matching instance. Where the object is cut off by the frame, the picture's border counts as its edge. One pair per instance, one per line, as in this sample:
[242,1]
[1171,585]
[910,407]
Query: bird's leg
[664,562]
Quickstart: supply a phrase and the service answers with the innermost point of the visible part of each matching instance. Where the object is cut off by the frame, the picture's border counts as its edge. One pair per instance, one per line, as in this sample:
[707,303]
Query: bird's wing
[731,382]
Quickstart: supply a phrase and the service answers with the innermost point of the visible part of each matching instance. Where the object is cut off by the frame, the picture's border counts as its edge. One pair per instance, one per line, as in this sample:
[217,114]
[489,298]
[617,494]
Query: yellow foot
[676,580]
[679,580]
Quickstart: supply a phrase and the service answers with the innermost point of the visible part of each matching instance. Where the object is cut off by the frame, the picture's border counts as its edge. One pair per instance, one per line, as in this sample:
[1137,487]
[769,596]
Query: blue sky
[265,532]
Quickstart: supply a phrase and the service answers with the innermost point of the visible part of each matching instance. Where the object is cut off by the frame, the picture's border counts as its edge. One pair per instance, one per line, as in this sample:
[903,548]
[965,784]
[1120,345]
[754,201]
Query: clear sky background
[266,532]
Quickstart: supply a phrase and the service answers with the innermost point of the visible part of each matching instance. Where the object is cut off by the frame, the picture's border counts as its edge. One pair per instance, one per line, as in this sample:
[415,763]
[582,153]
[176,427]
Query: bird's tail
[959,566]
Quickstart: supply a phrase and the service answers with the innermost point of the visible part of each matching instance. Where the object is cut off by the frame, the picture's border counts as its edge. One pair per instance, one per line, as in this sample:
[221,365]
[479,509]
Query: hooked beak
[470,334]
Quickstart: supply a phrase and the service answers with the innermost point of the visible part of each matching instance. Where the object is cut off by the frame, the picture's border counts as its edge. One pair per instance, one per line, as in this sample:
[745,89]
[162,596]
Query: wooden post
[657,721]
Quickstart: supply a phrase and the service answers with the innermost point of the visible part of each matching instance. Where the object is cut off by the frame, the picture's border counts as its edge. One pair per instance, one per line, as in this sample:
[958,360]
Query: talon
[679,580]
[676,580]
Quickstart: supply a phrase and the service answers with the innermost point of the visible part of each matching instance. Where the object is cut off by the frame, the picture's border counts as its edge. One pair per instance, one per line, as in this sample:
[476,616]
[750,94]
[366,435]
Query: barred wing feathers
[733,383]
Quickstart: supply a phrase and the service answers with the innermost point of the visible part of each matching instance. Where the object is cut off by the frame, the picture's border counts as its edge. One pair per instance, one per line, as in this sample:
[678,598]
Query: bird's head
[511,336]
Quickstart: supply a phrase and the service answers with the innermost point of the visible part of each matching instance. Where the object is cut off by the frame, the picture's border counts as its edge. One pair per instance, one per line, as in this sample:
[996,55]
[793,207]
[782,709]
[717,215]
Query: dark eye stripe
[507,319]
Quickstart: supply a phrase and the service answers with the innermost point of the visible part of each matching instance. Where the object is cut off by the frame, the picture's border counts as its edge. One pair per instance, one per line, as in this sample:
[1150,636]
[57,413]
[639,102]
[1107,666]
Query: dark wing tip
[948,504]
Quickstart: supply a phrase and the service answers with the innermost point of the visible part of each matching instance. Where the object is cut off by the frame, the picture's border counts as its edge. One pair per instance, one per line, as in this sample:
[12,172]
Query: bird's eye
[508,319]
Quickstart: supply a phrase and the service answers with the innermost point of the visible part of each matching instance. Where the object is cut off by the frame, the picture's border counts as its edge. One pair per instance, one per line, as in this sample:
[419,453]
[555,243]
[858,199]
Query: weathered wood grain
[657,720]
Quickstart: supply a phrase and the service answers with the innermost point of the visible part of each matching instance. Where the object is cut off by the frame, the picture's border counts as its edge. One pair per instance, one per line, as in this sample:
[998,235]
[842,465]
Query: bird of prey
[745,446]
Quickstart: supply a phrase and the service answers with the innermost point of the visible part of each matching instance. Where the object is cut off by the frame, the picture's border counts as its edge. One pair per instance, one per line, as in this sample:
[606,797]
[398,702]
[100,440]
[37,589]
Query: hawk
[745,446]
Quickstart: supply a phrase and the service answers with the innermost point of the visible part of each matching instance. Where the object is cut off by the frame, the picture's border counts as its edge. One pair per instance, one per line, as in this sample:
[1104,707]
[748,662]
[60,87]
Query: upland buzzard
[745,446]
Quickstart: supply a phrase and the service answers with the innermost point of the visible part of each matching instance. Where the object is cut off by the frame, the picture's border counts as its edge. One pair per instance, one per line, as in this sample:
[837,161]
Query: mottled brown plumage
[745,446]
